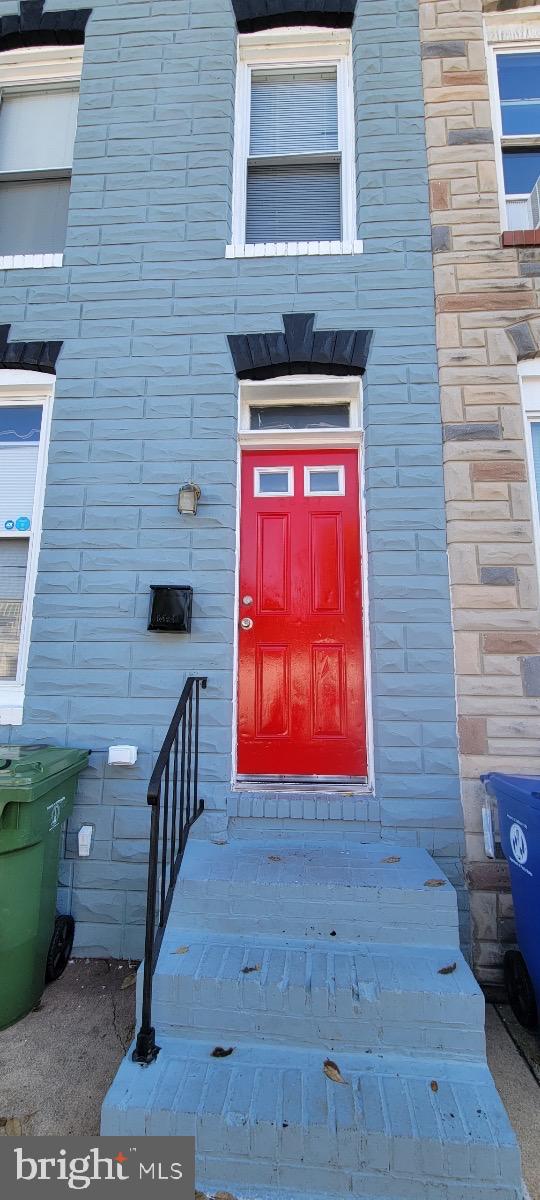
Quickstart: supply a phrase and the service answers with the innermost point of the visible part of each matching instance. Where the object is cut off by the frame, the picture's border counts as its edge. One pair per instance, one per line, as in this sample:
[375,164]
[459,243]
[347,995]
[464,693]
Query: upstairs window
[293,167]
[294,179]
[38,120]
[517,74]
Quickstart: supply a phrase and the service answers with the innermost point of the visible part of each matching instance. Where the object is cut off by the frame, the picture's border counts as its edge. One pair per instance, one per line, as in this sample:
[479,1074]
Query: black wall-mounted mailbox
[170,608]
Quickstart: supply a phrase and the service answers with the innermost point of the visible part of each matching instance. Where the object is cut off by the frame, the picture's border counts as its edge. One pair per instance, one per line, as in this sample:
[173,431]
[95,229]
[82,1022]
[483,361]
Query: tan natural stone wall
[482,292]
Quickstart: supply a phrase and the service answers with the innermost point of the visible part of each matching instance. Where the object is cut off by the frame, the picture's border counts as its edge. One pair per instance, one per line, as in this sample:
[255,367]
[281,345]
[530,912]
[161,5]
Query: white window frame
[301,389]
[21,71]
[509,37]
[27,388]
[529,377]
[295,48]
[327,467]
[285,470]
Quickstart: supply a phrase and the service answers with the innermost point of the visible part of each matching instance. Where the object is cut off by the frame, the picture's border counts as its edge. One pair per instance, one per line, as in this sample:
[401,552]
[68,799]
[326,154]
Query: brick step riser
[407,923]
[291,1160]
[178,1019]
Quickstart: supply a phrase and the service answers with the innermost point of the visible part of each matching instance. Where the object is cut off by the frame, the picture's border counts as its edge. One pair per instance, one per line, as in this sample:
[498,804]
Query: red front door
[301,709]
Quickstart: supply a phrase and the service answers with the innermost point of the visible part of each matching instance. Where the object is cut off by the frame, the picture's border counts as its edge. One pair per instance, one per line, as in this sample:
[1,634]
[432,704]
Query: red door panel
[301,709]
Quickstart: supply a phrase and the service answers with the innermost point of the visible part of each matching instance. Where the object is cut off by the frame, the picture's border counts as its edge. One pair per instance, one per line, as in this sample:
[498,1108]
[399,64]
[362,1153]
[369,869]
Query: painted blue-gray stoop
[354,957]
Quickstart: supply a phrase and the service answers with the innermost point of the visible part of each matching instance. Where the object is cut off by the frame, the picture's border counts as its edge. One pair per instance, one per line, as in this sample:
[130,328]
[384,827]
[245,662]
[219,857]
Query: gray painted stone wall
[146,397]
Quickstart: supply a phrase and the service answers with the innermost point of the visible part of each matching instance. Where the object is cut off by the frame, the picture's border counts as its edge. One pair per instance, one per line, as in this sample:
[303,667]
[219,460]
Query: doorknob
[246,623]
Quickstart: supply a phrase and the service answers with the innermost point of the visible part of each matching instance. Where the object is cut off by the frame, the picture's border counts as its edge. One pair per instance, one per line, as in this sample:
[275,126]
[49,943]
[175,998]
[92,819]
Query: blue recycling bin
[518,800]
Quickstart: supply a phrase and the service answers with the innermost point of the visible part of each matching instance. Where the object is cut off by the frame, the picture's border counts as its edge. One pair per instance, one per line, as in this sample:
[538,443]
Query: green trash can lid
[29,766]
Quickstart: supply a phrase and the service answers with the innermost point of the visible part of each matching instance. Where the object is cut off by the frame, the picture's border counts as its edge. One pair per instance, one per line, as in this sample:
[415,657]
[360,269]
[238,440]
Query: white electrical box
[85,840]
[122,756]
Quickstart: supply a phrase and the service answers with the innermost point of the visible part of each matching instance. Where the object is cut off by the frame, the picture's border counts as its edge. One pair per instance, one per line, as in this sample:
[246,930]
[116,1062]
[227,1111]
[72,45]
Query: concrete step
[267,1117]
[355,997]
[366,892]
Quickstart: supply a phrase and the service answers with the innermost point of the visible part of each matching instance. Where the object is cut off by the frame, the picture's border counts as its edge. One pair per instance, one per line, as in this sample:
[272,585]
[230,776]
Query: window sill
[288,249]
[521,237]
[18,262]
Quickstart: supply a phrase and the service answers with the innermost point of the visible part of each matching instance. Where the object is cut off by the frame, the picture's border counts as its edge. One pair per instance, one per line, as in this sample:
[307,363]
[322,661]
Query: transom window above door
[294,177]
[300,410]
[299,416]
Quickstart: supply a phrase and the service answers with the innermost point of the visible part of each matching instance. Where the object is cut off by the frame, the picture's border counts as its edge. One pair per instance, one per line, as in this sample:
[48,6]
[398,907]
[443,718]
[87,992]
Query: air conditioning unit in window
[535,205]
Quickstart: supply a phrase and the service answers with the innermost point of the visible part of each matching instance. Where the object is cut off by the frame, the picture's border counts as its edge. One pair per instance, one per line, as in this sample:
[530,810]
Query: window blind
[33,216]
[37,130]
[18,466]
[297,203]
[293,112]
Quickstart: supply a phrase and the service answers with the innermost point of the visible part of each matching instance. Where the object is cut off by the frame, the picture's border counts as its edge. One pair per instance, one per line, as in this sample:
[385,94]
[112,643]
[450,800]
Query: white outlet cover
[122,756]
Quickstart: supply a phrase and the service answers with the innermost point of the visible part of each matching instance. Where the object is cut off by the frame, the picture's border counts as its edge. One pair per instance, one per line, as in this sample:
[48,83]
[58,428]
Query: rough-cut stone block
[498,471]
[449,49]
[490,875]
[458,78]
[472,431]
[472,735]
[513,642]
[530,673]
[498,576]
[523,339]
[439,190]
[488,302]
[469,137]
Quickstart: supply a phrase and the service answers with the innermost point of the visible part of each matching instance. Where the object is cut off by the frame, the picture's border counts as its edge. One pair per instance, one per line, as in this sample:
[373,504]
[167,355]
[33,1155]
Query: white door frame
[308,389]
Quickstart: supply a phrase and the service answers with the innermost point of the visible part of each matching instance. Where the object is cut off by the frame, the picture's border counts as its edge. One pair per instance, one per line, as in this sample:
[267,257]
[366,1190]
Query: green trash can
[37,790]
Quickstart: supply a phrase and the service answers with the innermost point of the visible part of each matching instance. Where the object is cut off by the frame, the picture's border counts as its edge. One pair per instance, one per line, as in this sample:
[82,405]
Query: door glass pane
[521,170]
[325,481]
[33,216]
[519,89]
[13,561]
[300,416]
[293,112]
[298,203]
[273,482]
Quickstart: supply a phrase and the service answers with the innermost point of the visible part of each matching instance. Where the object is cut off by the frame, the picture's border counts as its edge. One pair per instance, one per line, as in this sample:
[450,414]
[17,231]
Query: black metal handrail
[174,799]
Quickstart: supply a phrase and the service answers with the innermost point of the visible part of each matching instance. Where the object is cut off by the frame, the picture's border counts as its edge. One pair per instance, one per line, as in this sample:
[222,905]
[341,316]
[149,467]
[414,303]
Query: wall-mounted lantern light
[188,499]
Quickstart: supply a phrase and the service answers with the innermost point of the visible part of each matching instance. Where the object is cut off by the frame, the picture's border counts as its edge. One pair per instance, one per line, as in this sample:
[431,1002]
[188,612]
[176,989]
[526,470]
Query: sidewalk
[56,1064]
[514,1059]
